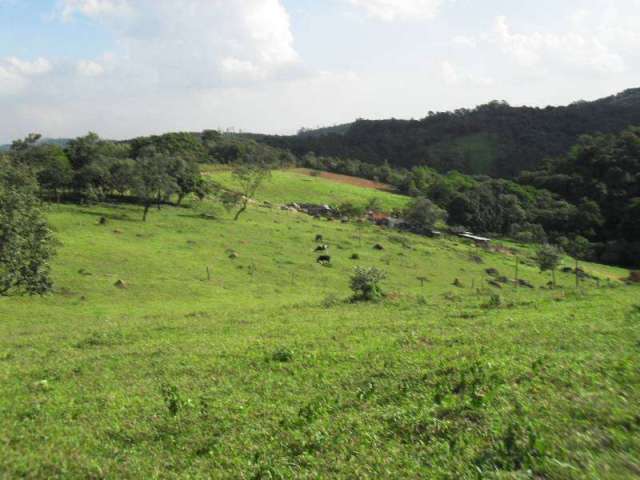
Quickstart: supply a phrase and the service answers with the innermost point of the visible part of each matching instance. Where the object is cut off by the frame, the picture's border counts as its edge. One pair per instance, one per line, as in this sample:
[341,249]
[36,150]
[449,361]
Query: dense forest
[493,139]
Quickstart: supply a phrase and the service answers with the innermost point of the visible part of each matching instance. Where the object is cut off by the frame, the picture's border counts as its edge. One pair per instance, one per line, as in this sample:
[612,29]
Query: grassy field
[266,370]
[288,186]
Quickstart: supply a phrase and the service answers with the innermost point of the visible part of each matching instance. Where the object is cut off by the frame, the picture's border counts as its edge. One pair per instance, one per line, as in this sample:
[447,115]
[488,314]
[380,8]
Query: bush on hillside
[365,283]
[422,215]
[548,258]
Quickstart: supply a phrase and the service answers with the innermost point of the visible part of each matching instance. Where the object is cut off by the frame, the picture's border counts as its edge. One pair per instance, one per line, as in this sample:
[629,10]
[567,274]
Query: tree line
[151,171]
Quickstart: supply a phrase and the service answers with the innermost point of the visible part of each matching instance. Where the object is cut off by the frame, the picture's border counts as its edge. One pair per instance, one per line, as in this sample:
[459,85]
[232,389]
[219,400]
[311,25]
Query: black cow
[324,260]
[322,248]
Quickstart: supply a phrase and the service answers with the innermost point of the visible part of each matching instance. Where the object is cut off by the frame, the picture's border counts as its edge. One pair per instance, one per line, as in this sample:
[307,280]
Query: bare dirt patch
[347,179]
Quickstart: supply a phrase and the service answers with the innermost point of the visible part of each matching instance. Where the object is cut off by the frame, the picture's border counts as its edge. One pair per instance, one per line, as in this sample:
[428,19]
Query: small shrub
[492,272]
[100,339]
[355,256]
[331,300]
[365,283]
[282,355]
[399,239]
[476,259]
[172,399]
[350,210]
[495,301]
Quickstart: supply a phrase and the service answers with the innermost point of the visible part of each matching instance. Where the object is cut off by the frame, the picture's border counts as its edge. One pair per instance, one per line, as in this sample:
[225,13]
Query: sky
[124,68]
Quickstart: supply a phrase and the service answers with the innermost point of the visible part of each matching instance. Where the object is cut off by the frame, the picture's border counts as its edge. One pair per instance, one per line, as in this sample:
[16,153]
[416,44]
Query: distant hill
[318,132]
[495,139]
[45,141]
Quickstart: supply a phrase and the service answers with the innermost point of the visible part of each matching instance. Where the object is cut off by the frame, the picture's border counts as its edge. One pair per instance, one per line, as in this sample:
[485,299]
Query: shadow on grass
[112,216]
[198,216]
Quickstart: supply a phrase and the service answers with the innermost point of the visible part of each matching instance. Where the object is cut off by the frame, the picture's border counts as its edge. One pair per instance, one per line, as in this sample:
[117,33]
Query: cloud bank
[277,65]
[390,10]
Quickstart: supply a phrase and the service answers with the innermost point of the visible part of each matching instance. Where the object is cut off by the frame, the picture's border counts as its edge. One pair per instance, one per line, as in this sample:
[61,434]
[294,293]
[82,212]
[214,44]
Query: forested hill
[494,138]
[61,142]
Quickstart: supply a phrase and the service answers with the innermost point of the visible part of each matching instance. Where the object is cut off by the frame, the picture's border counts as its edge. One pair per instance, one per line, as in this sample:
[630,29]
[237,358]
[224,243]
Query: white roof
[475,237]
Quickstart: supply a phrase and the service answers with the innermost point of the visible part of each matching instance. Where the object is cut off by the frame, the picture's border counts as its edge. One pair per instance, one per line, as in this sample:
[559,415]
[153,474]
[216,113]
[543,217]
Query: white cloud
[452,76]
[390,10]
[194,64]
[10,83]
[449,72]
[465,41]
[168,55]
[38,66]
[15,74]
[532,50]
[94,8]
[89,68]
[195,43]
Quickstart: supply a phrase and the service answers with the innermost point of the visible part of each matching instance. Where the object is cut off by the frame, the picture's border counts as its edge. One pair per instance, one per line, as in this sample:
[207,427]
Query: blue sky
[130,67]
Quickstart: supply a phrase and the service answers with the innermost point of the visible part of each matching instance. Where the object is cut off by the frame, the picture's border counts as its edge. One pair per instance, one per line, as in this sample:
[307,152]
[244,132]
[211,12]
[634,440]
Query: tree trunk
[180,198]
[146,210]
[577,276]
[553,276]
[242,209]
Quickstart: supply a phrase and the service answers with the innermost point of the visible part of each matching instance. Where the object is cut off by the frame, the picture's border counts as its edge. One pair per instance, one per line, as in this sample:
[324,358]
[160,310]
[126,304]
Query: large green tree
[54,172]
[249,178]
[548,258]
[152,180]
[26,241]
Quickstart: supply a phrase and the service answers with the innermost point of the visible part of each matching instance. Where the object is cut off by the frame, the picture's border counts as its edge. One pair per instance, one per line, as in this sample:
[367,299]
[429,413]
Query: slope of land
[346,179]
[264,370]
[287,186]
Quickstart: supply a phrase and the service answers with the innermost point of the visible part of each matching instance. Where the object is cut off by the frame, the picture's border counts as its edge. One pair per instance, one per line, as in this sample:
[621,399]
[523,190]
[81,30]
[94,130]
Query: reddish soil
[335,177]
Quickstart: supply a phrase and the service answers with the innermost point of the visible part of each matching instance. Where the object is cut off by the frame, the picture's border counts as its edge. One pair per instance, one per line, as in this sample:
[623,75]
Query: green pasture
[263,369]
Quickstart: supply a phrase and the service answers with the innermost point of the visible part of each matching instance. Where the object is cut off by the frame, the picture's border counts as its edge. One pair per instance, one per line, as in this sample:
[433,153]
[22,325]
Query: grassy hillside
[287,186]
[266,371]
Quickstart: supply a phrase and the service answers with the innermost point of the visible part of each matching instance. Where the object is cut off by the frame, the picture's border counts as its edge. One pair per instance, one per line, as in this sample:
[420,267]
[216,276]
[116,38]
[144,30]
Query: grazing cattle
[319,238]
[322,248]
[324,260]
